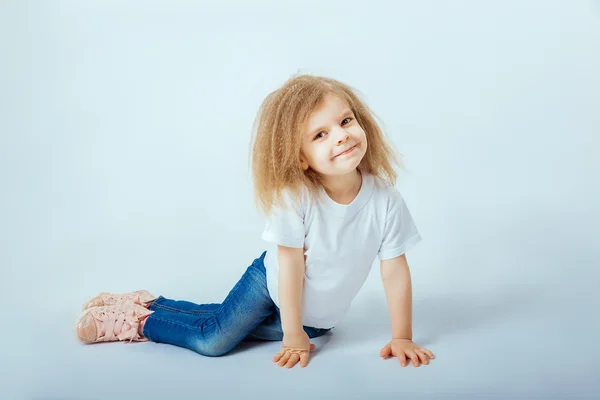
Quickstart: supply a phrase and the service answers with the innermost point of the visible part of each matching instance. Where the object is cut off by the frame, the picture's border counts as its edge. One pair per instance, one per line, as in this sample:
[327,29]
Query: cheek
[360,133]
[314,154]
[321,155]
[362,137]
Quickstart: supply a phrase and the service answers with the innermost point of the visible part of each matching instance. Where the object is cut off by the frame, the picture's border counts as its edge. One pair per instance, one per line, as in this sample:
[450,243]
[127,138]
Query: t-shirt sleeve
[400,232]
[285,223]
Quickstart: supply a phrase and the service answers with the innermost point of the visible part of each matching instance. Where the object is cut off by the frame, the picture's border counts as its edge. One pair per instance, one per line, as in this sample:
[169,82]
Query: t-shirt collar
[347,210]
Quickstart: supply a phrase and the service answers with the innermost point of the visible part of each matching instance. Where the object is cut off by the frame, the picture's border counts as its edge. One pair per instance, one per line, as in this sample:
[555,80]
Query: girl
[323,175]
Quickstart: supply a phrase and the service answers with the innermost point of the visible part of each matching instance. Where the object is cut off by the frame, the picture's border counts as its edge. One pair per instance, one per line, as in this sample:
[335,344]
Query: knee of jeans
[213,347]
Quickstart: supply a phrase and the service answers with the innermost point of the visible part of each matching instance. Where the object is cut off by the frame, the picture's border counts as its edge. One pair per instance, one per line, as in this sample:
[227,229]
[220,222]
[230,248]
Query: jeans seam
[167,308]
[179,323]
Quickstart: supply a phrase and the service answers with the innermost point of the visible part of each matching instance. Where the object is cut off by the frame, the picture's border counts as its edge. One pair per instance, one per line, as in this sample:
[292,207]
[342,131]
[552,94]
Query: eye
[320,135]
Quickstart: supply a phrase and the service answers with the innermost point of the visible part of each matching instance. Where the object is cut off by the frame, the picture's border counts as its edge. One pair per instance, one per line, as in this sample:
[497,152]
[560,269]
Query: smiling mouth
[347,151]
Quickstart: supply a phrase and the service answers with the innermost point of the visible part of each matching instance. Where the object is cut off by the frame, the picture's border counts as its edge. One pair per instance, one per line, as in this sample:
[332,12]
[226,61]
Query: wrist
[402,337]
[294,333]
[402,333]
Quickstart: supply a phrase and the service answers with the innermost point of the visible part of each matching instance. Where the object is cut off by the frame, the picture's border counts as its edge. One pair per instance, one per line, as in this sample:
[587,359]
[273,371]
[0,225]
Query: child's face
[334,143]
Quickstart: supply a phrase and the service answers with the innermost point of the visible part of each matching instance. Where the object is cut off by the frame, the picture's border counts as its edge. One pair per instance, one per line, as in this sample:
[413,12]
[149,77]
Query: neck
[342,188]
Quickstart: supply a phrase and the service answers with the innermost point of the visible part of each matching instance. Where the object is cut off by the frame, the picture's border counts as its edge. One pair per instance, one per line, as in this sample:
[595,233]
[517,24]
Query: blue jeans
[247,313]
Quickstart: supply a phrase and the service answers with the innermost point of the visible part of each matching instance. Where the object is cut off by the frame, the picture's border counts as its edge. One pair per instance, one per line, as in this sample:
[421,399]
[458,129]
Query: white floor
[508,341]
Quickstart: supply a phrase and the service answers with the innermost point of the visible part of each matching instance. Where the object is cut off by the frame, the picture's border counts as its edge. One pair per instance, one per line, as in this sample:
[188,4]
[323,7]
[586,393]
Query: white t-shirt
[340,244]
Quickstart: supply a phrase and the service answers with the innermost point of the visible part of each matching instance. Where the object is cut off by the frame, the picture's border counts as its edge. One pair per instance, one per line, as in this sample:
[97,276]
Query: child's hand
[295,348]
[406,349]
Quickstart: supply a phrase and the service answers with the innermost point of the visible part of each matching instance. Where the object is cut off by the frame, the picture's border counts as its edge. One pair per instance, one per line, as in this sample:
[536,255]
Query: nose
[343,136]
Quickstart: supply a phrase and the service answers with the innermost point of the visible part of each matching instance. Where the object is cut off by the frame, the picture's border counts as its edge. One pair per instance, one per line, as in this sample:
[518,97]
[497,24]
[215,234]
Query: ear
[303,162]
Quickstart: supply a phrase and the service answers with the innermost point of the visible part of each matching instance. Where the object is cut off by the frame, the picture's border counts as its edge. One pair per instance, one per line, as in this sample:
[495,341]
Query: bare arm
[395,275]
[398,291]
[291,284]
[296,344]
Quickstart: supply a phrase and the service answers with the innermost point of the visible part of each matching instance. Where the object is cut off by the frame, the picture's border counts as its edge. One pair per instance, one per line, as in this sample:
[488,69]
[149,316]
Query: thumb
[386,351]
[312,347]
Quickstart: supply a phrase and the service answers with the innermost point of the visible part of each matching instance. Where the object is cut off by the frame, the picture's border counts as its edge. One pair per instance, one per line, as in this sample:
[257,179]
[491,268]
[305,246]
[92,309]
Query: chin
[338,170]
[344,171]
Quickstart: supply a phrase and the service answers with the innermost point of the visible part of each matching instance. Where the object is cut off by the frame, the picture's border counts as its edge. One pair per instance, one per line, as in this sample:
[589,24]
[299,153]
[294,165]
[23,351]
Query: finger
[422,357]
[304,359]
[293,360]
[284,359]
[413,356]
[386,351]
[278,356]
[313,346]
[429,353]
[402,359]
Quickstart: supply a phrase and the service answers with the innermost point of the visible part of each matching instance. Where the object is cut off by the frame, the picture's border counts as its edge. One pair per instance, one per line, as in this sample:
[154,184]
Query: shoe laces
[117,323]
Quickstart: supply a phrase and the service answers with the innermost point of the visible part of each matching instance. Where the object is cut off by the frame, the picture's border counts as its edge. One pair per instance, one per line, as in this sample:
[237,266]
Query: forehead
[331,108]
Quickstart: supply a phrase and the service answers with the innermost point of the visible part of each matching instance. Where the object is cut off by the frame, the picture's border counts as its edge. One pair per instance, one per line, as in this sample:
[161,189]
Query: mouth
[348,151]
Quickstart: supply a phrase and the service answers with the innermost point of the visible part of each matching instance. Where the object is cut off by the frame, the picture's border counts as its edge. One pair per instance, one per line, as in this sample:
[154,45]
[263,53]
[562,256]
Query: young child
[323,175]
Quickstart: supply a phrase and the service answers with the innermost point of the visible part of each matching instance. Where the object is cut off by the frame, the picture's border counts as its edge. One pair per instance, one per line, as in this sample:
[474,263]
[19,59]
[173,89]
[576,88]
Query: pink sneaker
[141,297]
[112,323]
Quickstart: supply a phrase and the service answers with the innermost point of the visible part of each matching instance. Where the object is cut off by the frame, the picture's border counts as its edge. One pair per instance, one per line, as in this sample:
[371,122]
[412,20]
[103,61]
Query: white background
[124,133]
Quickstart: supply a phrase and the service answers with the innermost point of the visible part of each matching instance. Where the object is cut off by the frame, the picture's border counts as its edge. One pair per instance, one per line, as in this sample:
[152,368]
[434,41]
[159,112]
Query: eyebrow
[315,131]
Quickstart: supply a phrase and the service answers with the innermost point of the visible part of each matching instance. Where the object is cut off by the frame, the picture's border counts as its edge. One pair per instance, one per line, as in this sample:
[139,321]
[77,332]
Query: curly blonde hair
[280,122]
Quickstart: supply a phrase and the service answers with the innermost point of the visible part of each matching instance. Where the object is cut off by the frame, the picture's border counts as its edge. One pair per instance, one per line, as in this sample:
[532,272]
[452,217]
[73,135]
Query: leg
[183,306]
[217,331]
[270,329]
